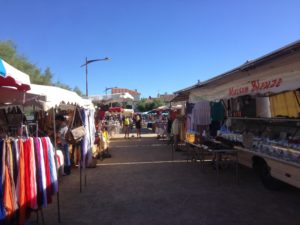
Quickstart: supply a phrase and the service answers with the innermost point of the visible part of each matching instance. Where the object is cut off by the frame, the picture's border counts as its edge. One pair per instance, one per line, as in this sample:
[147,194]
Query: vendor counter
[219,153]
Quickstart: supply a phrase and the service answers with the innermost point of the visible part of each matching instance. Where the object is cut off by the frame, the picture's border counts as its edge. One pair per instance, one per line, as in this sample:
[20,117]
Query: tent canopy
[45,97]
[12,96]
[12,77]
[55,96]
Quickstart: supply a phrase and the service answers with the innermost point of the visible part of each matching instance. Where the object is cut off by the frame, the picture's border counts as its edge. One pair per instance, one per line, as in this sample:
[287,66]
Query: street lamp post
[87,94]
[86,71]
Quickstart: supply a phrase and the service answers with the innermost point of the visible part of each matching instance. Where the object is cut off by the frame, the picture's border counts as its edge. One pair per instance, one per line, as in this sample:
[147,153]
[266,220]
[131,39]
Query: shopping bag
[75,134]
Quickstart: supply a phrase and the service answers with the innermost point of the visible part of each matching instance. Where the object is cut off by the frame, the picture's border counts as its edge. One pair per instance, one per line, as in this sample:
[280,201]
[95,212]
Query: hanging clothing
[2,209]
[28,177]
[53,167]
[21,188]
[38,172]
[47,170]
[33,187]
[286,104]
[8,195]
[217,111]
[10,198]
[201,114]
[43,170]
[15,152]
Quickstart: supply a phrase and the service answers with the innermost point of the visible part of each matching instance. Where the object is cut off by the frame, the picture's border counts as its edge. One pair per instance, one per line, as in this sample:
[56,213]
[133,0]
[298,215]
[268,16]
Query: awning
[116,109]
[55,96]
[12,77]
[181,97]
[12,96]
[268,82]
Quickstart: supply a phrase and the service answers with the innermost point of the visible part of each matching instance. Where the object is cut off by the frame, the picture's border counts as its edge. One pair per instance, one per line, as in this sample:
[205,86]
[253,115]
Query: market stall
[22,153]
[12,77]
[257,112]
[76,108]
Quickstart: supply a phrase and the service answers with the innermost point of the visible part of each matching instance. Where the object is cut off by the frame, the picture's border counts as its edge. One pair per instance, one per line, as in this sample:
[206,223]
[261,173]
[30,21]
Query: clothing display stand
[55,147]
[42,216]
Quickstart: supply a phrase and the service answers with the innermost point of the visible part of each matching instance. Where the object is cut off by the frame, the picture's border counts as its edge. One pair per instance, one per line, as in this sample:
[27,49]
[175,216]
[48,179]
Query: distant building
[134,93]
[166,98]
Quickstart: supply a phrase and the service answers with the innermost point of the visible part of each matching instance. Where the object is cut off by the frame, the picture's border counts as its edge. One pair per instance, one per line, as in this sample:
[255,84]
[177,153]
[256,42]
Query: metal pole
[86,77]
[80,170]
[85,175]
[55,160]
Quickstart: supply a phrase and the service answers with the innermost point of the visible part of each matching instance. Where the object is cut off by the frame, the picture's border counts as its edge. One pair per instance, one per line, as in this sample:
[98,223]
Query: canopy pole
[80,172]
[81,157]
[89,127]
[55,147]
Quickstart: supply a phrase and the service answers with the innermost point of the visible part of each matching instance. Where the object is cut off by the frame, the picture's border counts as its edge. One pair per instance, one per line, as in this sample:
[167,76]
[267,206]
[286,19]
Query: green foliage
[61,85]
[8,52]
[78,91]
[143,105]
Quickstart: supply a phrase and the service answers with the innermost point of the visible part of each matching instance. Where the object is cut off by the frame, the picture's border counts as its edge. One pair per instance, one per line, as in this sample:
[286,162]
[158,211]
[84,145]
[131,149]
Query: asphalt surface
[140,184]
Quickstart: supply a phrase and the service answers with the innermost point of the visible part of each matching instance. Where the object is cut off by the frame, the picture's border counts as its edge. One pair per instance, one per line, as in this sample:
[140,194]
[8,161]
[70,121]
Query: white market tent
[11,95]
[12,77]
[51,97]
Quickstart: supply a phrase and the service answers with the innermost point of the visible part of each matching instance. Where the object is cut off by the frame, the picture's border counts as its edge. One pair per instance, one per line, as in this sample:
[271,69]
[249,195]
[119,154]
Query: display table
[264,155]
[198,151]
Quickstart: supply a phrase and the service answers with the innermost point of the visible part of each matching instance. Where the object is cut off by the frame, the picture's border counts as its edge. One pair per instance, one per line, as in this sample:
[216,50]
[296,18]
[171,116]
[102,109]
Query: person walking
[175,132]
[169,126]
[62,143]
[126,125]
[138,125]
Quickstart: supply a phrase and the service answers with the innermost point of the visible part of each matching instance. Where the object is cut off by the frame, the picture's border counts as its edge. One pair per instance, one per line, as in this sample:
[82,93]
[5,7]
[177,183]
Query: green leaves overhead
[8,52]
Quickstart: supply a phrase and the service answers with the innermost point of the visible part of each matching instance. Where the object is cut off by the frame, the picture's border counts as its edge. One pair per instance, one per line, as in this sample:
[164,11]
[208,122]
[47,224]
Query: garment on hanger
[201,114]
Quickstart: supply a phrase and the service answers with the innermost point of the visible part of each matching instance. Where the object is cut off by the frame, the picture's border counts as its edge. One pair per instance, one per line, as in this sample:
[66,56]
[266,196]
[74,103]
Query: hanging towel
[43,169]
[53,170]
[32,164]
[21,188]
[47,170]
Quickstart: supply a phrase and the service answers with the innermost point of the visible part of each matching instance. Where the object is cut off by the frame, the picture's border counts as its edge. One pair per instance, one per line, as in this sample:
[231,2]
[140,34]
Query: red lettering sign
[256,86]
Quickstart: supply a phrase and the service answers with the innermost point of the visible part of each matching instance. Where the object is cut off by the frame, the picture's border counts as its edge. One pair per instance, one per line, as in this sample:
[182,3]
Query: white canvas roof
[13,96]
[55,96]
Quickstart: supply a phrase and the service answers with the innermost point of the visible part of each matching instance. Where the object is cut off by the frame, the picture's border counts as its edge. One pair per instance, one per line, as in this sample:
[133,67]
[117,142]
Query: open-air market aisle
[139,185]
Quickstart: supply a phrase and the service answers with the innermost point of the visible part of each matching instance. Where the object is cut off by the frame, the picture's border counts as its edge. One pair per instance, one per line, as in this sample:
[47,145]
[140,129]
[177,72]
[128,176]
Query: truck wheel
[266,178]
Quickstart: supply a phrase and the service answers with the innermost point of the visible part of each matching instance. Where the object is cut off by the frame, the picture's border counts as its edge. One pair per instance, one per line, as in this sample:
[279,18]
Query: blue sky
[155,45]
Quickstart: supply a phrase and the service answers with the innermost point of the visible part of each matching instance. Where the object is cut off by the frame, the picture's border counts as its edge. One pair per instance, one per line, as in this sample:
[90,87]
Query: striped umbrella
[11,77]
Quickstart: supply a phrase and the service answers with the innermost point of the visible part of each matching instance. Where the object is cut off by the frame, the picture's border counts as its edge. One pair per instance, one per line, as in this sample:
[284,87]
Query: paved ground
[139,185]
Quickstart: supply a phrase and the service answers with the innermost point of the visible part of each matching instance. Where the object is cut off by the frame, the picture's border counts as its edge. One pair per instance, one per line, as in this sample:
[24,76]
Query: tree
[8,52]
[141,105]
[78,91]
[144,106]
[61,85]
